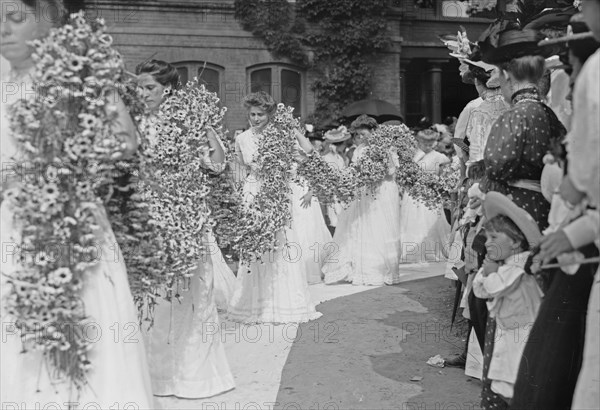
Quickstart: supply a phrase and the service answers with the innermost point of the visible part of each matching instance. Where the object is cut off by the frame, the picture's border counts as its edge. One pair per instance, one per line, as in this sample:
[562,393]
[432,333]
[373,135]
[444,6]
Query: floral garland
[66,134]
[270,210]
[367,173]
[175,182]
[430,189]
[363,177]
[135,232]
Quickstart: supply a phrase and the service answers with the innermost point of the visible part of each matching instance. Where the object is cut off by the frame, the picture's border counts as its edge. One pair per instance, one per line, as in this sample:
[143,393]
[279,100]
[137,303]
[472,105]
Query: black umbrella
[379,109]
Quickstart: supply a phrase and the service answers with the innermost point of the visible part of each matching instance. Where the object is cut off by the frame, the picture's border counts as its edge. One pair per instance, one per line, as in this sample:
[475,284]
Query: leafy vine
[343,36]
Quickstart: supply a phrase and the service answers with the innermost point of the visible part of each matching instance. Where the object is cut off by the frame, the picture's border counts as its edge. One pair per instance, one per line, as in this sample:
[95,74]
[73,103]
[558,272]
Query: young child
[513,295]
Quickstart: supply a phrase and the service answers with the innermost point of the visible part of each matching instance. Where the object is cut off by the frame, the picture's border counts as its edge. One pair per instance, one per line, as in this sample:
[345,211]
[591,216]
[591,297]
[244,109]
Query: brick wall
[205,30]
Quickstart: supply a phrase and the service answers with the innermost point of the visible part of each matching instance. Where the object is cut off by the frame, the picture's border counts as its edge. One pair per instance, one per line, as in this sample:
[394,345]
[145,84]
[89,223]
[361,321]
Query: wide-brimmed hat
[513,43]
[338,135]
[497,204]
[577,30]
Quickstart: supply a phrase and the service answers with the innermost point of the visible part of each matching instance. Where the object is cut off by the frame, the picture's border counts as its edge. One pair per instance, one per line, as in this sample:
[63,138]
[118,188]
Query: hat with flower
[337,135]
[469,56]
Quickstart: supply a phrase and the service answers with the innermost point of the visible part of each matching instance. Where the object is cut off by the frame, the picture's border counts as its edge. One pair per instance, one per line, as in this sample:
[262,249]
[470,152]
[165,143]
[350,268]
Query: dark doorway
[455,94]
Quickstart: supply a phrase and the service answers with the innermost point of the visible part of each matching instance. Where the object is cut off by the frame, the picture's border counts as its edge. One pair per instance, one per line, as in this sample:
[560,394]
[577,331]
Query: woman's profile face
[19,25]
[153,92]
[258,117]
[362,135]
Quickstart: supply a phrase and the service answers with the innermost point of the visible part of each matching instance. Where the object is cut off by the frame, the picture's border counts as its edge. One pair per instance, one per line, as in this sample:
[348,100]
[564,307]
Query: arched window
[284,82]
[207,73]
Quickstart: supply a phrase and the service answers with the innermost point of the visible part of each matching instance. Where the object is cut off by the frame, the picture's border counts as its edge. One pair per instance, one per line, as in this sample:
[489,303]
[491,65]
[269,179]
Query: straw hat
[497,204]
[337,135]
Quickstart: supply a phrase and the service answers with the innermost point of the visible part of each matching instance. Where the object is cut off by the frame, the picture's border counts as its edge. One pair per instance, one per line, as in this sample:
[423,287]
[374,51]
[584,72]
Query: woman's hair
[163,72]
[526,68]
[505,225]
[476,170]
[57,10]
[262,100]
[480,74]
[364,122]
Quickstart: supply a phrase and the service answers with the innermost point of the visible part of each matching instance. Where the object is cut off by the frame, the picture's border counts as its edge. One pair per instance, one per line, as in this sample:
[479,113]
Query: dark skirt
[489,399]
[479,317]
[553,354]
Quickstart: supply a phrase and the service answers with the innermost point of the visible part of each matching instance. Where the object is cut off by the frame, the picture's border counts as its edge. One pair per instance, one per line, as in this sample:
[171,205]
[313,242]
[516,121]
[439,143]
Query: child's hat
[497,204]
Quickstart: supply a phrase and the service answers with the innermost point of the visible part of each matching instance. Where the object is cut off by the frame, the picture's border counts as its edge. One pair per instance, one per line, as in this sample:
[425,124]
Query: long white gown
[367,238]
[334,210]
[425,232]
[119,377]
[276,290]
[186,356]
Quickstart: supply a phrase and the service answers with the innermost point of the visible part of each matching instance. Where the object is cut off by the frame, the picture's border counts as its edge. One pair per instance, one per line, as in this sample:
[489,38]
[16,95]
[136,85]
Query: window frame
[276,84]
[194,66]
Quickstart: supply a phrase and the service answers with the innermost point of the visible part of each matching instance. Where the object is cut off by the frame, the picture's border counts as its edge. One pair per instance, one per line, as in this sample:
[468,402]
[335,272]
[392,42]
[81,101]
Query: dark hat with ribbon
[577,30]
[512,43]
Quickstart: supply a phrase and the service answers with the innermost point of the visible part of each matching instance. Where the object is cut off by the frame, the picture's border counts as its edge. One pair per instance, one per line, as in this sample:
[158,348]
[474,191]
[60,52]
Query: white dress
[334,210]
[276,290]
[367,238]
[424,231]
[119,377]
[187,358]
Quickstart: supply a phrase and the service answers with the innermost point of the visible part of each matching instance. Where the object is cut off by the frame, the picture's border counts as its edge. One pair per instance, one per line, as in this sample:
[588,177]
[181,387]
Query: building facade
[203,39]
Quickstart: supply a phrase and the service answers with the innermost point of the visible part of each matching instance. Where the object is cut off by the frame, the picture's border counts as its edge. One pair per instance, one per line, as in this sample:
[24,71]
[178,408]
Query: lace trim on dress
[526,94]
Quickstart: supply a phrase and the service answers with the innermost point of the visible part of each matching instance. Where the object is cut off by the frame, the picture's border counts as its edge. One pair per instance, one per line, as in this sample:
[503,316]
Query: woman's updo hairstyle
[262,100]
[527,68]
[57,11]
[480,74]
[163,72]
[364,122]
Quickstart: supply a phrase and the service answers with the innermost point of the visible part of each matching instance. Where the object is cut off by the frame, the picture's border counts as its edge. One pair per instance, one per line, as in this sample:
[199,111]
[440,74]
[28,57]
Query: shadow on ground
[364,351]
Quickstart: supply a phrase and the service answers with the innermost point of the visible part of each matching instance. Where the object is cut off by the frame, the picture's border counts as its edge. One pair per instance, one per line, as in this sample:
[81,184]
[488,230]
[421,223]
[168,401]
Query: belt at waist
[529,184]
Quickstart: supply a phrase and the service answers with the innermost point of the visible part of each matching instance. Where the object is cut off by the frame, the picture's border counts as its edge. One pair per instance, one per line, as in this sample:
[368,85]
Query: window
[454,8]
[207,74]
[285,83]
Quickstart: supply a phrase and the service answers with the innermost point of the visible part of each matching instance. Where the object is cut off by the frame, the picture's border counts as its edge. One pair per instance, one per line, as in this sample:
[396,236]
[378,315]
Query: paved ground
[362,354]
[364,351]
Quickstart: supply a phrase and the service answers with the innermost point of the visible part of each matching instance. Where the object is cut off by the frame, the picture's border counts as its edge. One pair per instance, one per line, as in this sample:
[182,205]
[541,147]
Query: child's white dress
[515,304]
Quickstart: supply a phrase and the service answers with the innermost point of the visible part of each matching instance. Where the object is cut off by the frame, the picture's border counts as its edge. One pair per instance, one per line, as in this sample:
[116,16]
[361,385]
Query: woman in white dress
[119,375]
[425,231]
[186,356]
[335,147]
[367,237]
[276,290]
